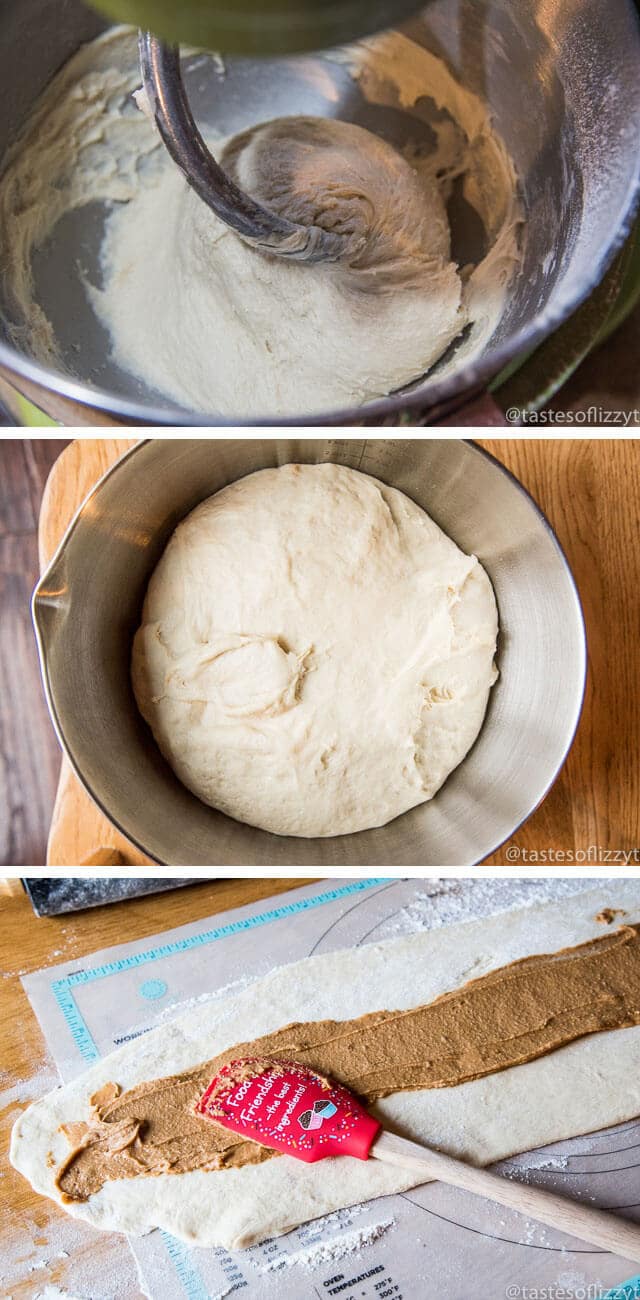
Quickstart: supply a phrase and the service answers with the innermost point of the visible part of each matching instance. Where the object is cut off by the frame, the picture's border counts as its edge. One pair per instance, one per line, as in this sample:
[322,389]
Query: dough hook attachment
[265,230]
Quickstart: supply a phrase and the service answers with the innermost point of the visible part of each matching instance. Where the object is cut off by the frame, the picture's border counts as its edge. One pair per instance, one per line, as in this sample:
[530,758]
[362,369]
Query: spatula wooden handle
[583,1221]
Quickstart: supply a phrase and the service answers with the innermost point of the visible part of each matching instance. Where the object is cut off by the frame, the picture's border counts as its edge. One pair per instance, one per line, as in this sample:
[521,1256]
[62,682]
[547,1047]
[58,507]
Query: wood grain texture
[79,829]
[29,753]
[590,491]
[33,1230]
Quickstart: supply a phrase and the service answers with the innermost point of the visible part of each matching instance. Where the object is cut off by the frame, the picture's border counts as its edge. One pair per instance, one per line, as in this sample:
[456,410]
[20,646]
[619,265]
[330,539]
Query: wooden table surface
[590,491]
[33,1230]
[29,755]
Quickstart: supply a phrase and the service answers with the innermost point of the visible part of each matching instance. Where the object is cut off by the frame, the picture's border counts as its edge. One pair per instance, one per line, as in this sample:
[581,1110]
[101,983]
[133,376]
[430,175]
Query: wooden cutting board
[80,833]
[590,490]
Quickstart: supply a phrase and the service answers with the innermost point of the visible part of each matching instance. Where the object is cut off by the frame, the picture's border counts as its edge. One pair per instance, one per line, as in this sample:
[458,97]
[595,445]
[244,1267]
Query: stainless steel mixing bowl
[561,78]
[87,607]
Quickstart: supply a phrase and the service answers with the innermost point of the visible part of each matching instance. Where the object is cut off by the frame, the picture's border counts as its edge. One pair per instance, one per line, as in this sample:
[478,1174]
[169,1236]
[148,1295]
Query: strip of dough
[513,1015]
[587,1085]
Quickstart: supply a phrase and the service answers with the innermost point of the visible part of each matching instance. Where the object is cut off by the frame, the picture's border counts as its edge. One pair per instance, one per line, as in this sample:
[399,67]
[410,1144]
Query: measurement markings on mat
[192,1284]
[221,932]
[61,988]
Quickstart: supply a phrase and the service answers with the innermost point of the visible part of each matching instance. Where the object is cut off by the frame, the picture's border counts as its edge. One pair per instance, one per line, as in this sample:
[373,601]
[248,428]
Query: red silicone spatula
[293,1110]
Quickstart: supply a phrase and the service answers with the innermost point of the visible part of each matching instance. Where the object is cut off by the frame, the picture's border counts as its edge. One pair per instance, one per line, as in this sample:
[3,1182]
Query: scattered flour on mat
[54,1293]
[575,1284]
[449,901]
[213,995]
[46,1263]
[328,1252]
[37,1085]
[538,1160]
[35,1252]
[183,1005]
[535,1234]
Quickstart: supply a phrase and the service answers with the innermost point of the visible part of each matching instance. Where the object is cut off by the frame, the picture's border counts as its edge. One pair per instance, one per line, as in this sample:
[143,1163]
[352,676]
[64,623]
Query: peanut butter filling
[610,914]
[515,1014]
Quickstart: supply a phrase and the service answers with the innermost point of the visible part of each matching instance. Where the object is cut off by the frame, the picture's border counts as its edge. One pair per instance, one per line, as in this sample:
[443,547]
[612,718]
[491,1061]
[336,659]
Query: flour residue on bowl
[199,316]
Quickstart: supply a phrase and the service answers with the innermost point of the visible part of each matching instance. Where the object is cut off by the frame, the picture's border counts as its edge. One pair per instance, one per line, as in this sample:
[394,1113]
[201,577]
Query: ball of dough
[263,335]
[315,655]
[335,175]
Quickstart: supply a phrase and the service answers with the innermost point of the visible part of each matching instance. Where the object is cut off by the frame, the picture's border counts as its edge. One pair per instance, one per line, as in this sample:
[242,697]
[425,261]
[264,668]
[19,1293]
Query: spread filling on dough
[609,914]
[315,655]
[215,325]
[519,1012]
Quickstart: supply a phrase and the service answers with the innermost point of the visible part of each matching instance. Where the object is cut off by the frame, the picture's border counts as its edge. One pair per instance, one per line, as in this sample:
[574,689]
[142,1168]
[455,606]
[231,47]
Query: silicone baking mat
[431,1242]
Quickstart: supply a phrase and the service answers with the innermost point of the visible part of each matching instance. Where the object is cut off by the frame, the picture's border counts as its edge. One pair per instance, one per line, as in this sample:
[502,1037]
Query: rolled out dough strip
[590,1084]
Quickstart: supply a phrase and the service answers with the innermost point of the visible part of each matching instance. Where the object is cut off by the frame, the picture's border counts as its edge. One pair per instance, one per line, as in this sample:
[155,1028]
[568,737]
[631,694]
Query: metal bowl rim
[472,376]
[41,640]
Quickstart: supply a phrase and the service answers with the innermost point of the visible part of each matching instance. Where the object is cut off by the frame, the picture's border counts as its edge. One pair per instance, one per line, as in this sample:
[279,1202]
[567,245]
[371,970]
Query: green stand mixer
[259,27]
[247,28]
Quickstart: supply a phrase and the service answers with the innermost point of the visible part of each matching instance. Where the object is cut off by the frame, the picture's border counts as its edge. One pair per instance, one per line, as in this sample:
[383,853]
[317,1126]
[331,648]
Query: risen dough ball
[315,654]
